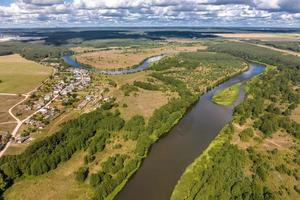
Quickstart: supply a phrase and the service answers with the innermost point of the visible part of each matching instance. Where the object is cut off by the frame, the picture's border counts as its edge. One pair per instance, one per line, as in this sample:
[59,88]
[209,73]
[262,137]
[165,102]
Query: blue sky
[5,2]
[63,13]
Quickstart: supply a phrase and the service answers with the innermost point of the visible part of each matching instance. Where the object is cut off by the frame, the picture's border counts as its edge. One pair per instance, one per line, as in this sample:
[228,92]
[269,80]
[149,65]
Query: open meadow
[7,102]
[129,57]
[19,75]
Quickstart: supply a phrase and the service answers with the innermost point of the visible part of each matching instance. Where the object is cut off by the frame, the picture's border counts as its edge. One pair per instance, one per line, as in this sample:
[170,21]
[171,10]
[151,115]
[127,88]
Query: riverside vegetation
[110,143]
[227,96]
[256,155]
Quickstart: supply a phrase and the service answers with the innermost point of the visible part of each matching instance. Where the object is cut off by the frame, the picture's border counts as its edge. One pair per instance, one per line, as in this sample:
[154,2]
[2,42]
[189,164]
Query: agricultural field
[6,102]
[129,57]
[262,36]
[19,75]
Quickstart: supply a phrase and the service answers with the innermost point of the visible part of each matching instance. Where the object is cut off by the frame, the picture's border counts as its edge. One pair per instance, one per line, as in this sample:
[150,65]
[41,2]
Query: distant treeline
[287,45]
[66,37]
[32,51]
[72,37]
[252,52]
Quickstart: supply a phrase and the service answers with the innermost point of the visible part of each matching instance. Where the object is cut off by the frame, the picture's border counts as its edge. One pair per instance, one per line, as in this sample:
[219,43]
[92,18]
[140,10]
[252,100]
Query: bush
[128,89]
[246,134]
[81,174]
[95,179]
[134,127]
[145,85]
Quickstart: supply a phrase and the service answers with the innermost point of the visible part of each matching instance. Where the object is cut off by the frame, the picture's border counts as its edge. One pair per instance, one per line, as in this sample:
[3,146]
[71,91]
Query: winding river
[170,156]
[144,65]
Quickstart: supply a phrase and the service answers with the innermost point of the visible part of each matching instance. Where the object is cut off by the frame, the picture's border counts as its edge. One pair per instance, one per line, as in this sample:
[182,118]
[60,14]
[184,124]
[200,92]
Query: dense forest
[33,51]
[292,46]
[228,170]
[252,52]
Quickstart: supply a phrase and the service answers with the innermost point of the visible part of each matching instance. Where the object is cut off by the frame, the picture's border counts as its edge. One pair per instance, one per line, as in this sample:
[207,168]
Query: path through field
[21,122]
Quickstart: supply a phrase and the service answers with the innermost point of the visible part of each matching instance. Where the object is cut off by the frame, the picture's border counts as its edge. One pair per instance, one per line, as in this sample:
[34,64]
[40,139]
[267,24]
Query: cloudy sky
[62,13]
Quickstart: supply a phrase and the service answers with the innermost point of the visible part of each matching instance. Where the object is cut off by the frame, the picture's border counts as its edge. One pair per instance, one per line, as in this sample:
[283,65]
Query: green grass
[56,184]
[227,96]
[19,75]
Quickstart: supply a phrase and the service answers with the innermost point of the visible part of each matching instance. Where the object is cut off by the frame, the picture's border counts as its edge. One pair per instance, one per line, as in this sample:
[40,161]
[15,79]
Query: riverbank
[190,181]
[266,163]
[72,61]
[118,189]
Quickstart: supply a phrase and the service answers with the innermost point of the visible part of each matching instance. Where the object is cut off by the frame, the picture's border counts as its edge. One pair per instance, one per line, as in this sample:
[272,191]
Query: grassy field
[128,57]
[57,184]
[19,75]
[227,96]
[7,127]
[5,103]
[143,102]
[296,115]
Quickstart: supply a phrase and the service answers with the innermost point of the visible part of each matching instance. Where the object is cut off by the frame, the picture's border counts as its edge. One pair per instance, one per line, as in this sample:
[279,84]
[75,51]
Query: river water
[144,65]
[170,156]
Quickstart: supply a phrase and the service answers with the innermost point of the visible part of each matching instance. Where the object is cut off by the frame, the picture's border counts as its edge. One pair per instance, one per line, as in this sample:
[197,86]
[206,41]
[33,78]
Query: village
[67,89]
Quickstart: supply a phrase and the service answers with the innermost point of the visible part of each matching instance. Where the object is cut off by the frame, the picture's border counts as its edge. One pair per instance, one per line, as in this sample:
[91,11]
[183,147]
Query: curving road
[17,120]
[21,122]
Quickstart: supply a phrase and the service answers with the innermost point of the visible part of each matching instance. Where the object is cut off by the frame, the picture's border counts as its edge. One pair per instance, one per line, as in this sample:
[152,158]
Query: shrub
[81,174]
[246,134]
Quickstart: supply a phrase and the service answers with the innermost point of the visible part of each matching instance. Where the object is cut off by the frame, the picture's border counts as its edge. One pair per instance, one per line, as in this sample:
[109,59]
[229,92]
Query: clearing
[19,75]
[142,102]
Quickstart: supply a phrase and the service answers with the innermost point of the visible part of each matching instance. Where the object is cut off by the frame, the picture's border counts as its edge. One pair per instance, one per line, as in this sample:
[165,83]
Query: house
[55,92]
[43,111]
[88,97]
[47,98]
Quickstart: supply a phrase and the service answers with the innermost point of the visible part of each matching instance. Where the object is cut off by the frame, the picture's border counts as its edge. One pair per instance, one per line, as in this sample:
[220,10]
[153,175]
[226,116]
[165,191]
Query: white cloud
[43,2]
[146,12]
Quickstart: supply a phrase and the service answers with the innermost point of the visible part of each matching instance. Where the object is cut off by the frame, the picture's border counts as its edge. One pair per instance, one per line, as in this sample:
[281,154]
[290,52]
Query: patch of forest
[35,52]
[252,52]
